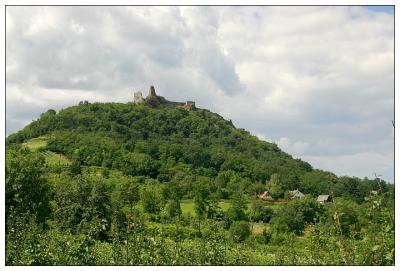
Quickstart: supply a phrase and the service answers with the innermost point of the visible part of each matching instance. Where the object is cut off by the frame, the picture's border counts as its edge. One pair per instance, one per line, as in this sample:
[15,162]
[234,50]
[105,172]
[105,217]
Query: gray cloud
[318,81]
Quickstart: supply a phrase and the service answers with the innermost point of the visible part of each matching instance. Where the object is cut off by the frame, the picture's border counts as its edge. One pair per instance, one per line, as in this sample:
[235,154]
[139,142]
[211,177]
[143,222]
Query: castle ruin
[137,97]
[152,92]
[154,100]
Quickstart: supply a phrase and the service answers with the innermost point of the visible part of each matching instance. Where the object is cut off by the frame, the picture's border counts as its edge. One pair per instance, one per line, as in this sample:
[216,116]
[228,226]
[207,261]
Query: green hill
[140,140]
[156,182]
[161,139]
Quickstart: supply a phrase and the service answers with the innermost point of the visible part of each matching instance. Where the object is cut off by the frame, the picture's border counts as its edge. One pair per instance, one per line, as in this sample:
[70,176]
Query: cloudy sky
[318,81]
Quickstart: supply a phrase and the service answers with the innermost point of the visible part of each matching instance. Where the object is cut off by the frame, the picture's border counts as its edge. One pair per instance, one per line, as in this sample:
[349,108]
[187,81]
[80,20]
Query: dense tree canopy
[139,140]
[27,189]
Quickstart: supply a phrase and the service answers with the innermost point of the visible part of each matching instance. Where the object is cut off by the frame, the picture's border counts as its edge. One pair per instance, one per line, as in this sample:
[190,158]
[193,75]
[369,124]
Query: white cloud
[297,148]
[358,164]
[316,80]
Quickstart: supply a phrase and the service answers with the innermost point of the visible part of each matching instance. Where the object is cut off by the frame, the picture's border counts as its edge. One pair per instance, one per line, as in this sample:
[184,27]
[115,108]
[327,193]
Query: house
[296,194]
[264,195]
[324,199]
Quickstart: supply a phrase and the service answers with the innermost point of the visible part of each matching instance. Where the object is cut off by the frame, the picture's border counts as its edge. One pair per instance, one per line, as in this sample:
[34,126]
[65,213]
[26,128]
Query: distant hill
[160,139]
[109,133]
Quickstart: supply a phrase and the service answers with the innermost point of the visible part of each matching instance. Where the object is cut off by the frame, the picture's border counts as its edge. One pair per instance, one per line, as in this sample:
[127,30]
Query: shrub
[261,213]
[294,216]
[239,231]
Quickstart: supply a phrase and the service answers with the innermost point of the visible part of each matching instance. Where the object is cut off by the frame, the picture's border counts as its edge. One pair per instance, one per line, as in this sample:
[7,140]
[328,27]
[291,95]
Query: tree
[239,231]
[27,189]
[260,213]
[296,214]
[289,220]
[75,168]
[345,213]
[317,182]
[82,199]
[274,186]
[150,199]
[214,210]
[172,192]
[237,211]
[173,208]
[129,191]
[257,188]
[201,193]
[139,164]
[238,185]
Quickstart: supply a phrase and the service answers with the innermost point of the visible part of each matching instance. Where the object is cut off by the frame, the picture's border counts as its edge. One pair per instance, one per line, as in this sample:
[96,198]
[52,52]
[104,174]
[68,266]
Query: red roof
[263,194]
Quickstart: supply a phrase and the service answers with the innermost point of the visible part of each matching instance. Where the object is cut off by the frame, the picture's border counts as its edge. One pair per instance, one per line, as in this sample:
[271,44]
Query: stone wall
[154,101]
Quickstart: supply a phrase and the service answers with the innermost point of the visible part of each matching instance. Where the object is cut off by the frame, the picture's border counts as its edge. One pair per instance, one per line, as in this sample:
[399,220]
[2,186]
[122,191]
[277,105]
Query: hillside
[156,182]
[119,135]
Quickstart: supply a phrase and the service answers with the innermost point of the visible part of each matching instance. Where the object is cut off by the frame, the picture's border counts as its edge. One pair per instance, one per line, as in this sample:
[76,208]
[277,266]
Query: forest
[129,184]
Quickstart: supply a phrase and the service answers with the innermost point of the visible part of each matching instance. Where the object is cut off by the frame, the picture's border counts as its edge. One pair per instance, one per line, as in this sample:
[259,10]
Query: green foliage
[239,231]
[36,143]
[274,186]
[173,208]
[27,189]
[237,210]
[201,193]
[260,213]
[127,191]
[75,168]
[150,199]
[317,182]
[82,199]
[345,212]
[138,164]
[294,216]
[139,140]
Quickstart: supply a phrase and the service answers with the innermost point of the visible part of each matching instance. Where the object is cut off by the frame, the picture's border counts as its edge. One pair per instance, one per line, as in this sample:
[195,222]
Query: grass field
[187,205]
[258,228]
[36,143]
[52,158]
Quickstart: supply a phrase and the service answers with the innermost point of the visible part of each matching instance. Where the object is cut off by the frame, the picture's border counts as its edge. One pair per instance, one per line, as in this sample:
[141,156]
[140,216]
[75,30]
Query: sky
[317,81]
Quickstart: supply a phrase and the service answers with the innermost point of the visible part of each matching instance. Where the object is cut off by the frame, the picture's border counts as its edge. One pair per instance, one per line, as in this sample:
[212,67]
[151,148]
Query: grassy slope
[35,143]
[52,158]
[187,206]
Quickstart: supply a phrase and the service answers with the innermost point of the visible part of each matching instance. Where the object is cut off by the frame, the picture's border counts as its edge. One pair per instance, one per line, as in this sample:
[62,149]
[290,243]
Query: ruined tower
[152,99]
[152,92]
[137,97]
[190,105]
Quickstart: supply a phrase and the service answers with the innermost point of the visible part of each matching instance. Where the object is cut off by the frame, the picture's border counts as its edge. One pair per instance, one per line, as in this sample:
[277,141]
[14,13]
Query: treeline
[88,217]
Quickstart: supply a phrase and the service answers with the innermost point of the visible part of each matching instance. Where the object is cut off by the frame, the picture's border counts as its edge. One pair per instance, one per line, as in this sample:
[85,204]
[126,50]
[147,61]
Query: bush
[294,216]
[263,238]
[75,168]
[27,187]
[237,211]
[346,213]
[150,199]
[261,213]
[239,231]
[173,208]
